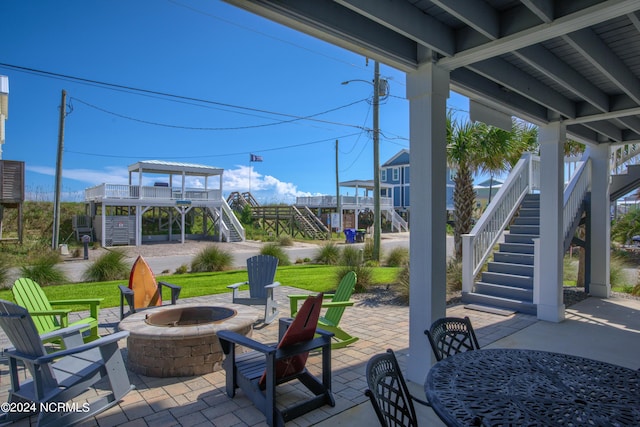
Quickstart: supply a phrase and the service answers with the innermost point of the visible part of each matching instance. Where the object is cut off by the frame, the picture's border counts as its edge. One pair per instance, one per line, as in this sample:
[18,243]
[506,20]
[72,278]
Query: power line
[163,94]
[295,119]
[215,155]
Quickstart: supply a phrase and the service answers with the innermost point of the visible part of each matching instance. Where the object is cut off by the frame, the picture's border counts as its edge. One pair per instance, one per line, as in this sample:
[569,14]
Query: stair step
[507,268]
[527,220]
[489,309]
[520,248]
[519,238]
[526,212]
[504,303]
[520,281]
[513,258]
[525,229]
[504,291]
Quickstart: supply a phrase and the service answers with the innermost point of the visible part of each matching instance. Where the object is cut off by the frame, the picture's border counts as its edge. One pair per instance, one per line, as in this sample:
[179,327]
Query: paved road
[240,252]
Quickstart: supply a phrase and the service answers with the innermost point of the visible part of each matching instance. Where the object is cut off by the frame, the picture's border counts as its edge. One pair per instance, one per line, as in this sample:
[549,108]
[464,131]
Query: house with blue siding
[395,173]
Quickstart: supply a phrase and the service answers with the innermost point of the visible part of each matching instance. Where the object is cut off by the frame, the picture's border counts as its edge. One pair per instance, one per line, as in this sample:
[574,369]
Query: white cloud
[265,188]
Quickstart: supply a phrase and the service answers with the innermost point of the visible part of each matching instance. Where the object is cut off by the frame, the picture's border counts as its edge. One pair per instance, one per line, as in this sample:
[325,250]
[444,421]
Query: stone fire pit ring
[172,348]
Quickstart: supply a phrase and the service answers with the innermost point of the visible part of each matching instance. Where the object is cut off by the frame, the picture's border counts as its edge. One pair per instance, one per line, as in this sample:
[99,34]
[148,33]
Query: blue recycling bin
[350,234]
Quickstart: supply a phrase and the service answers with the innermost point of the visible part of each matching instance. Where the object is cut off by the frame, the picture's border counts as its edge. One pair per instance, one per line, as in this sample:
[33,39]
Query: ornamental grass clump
[276,250]
[45,270]
[328,254]
[398,257]
[211,258]
[111,265]
[351,260]
[4,273]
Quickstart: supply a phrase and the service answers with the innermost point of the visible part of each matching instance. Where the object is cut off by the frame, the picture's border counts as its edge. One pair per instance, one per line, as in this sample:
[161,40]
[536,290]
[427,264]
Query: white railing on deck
[575,192]
[345,201]
[623,156]
[121,191]
[478,244]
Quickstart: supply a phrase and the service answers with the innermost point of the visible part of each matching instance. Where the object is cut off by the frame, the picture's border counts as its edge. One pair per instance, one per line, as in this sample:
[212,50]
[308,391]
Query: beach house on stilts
[163,201]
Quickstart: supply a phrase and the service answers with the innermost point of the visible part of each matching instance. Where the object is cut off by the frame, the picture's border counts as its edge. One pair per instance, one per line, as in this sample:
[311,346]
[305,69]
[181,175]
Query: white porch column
[551,139]
[600,285]
[427,91]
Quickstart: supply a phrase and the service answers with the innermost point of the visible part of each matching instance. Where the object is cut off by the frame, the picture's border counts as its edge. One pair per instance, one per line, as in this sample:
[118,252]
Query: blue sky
[240,84]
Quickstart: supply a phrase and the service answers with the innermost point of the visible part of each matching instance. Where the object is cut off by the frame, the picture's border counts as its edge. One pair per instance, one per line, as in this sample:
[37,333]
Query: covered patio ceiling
[540,60]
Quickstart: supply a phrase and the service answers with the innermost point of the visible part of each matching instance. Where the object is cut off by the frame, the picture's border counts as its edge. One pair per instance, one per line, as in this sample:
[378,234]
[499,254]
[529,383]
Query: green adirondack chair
[335,308]
[29,295]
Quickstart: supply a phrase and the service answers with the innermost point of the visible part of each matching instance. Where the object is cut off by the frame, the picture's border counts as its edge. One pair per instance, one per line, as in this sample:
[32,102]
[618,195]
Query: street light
[376,158]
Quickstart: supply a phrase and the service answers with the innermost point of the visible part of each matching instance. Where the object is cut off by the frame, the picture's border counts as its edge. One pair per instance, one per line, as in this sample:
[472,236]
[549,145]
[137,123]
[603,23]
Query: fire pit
[175,341]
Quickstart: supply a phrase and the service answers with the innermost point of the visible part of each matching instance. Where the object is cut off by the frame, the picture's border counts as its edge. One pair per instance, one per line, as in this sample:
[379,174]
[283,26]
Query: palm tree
[478,148]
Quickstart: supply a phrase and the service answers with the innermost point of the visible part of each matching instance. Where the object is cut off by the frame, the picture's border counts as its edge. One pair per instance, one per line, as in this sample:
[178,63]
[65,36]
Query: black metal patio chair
[451,335]
[388,392]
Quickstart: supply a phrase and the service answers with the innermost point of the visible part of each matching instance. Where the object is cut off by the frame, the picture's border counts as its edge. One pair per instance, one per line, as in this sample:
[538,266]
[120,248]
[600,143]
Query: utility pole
[56,197]
[338,207]
[376,162]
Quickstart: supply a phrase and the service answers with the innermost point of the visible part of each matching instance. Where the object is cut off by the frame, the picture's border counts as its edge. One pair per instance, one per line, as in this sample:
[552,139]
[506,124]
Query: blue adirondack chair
[60,377]
[262,272]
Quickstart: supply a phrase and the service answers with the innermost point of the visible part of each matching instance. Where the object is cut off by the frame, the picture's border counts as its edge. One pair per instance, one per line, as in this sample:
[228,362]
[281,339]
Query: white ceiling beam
[598,53]
[331,22]
[606,129]
[557,70]
[406,19]
[538,33]
[514,79]
[604,116]
[472,85]
[476,14]
[543,9]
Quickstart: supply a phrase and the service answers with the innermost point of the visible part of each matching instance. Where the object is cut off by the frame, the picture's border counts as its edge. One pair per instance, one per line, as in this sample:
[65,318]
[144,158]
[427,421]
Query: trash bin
[360,236]
[350,234]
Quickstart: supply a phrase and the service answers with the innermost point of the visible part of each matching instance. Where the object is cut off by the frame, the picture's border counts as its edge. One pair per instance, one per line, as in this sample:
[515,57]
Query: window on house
[383,175]
[396,174]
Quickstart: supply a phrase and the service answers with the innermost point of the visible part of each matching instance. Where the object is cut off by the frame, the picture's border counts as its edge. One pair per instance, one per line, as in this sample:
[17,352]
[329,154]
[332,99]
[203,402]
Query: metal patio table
[509,387]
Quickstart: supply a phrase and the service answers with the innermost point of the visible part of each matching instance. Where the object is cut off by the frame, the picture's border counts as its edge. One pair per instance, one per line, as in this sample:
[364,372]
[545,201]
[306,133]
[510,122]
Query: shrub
[276,251]
[285,240]
[402,284]
[109,266]
[211,258]
[365,275]
[183,269]
[398,257]
[454,276]
[328,254]
[367,250]
[44,270]
[617,274]
[4,273]
[351,256]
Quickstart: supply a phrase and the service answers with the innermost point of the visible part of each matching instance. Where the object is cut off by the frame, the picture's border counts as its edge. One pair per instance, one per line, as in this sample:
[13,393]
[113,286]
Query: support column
[427,91]
[600,285]
[551,139]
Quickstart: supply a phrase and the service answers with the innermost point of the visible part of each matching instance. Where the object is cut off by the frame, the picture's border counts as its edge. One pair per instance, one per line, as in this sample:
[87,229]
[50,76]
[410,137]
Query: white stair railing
[575,192]
[235,223]
[479,243]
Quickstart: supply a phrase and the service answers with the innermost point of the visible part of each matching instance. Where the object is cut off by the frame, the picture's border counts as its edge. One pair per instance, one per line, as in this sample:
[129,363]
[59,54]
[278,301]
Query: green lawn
[313,278]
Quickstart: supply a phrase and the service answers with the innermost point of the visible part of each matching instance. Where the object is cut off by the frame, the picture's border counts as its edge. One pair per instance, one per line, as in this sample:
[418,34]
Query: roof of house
[400,158]
[164,167]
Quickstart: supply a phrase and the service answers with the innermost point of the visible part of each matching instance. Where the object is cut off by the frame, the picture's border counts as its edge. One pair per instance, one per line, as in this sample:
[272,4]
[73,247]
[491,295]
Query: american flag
[255,158]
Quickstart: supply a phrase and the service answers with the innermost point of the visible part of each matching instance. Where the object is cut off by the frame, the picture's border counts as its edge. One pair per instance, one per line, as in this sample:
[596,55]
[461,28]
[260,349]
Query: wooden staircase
[508,281]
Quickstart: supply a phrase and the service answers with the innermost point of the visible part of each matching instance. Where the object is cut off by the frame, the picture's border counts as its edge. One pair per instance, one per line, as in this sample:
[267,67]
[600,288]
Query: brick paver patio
[202,400]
